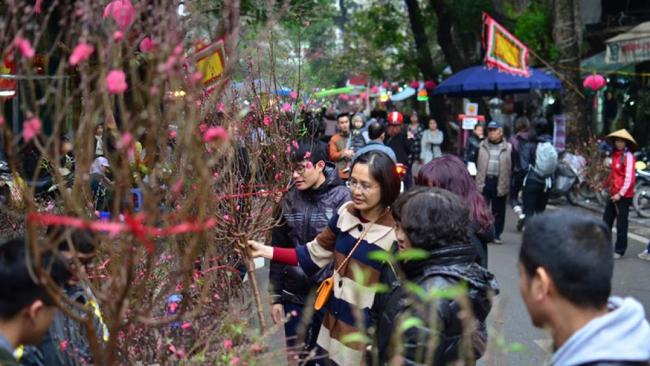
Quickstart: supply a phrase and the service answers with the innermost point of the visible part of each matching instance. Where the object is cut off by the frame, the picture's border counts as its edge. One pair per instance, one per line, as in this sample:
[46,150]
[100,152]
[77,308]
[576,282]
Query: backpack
[545,160]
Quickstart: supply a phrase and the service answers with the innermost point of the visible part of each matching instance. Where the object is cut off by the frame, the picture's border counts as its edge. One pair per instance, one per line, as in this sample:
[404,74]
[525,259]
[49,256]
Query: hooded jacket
[621,337]
[304,215]
[446,267]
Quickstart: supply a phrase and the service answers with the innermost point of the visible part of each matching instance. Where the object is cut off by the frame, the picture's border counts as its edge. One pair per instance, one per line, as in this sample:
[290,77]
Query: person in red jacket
[621,188]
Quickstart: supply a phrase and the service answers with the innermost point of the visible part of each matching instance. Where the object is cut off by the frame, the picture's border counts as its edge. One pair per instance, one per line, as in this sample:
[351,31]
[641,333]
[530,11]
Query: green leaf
[380,256]
[411,322]
[414,254]
[516,347]
[416,289]
[380,288]
[356,337]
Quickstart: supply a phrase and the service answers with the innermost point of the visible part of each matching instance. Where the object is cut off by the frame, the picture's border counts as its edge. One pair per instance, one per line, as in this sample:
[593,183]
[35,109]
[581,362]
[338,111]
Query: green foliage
[534,27]
[356,337]
[413,254]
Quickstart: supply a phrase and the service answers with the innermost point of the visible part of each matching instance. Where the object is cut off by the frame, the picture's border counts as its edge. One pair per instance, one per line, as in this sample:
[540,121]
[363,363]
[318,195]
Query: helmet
[395,118]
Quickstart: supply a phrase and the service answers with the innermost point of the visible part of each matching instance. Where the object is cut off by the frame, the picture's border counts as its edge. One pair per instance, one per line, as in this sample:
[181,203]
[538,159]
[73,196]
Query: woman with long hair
[449,172]
[360,227]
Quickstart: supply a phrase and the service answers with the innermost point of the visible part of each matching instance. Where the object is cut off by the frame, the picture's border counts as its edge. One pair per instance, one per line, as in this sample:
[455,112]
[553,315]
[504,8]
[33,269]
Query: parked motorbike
[565,183]
[641,199]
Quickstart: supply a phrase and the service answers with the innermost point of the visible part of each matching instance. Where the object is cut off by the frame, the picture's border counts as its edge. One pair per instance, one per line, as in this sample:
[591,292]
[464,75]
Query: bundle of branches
[193,172]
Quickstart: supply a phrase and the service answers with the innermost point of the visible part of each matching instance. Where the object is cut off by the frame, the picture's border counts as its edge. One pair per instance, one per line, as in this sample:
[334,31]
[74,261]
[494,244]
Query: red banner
[503,50]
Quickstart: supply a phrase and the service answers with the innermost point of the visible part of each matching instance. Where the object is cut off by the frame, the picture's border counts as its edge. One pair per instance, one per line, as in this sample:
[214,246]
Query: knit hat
[624,135]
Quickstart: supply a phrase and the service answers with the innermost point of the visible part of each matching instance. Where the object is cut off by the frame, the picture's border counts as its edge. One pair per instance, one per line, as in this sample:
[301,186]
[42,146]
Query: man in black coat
[316,196]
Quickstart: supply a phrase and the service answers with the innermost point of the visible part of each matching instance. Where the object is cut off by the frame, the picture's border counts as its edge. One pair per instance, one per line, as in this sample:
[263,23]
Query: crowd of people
[349,207]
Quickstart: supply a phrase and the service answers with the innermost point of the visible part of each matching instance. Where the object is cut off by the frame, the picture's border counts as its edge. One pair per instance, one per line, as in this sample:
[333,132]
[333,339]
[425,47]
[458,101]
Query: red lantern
[363,95]
[429,85]
[594,82]
[415,84]
[386,84]
[374,89]
[344,97]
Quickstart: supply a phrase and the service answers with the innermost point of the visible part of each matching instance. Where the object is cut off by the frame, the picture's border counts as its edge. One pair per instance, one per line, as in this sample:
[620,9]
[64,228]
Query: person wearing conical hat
[621,187]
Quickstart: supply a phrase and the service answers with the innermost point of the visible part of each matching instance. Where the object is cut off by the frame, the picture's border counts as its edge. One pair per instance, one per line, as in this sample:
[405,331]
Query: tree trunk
[566,39]
[445,38]
[425,62]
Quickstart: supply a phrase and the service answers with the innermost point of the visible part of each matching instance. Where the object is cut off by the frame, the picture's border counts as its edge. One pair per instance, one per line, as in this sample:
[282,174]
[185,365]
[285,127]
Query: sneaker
[617,256]
[520,224]
[644,255]
[497,241]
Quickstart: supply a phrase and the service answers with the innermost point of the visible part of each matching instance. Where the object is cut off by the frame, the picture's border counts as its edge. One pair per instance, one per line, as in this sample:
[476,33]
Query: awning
[597,64]
[631,46]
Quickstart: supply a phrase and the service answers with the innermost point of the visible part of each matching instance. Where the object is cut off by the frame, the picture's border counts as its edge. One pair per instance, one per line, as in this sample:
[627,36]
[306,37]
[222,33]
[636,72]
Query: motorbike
[641,199]
[565,183]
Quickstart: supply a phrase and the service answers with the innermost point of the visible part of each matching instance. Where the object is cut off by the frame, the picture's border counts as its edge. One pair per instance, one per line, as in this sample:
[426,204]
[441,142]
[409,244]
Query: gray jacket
[505,167]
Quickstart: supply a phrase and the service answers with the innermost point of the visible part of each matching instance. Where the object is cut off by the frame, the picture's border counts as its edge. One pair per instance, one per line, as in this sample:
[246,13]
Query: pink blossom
[203,127]
[31,128]
[278,177]
[196,77]
[81,53]
[154,90]
[226,218]
[117,36]
[256,348]
[286,107]
[227,344]
[25,47]
[63,345]
[37,6]
[172,134]
[186,325]
[215,133]
[2,121]
[267,121]
[50,207]
[307,155]
[116,82]
[293,95]
[126,140]
[122,12]
[221,107]
[234,361]
[295,145]
[147,45]
[178,49]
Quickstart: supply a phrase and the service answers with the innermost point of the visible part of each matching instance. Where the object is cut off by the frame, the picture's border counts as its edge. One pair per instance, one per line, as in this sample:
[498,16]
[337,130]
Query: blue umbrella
[481,81]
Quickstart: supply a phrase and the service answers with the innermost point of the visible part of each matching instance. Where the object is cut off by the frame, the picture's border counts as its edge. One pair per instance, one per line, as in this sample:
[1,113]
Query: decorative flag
[210,62]
[503,50]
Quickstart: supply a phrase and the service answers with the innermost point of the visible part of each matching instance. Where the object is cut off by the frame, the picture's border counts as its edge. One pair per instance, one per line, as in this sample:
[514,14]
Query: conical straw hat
[622,134]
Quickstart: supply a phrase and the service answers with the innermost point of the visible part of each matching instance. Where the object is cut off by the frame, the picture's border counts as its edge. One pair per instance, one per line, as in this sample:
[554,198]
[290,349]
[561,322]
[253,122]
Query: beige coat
[505,167]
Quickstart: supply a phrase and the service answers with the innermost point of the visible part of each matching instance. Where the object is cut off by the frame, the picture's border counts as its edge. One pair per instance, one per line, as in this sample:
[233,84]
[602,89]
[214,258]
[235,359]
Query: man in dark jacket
[316,196]
[565,278]
[436,221]
[535,191]
[398,141]
[79,248]
[26,310]
[520,164]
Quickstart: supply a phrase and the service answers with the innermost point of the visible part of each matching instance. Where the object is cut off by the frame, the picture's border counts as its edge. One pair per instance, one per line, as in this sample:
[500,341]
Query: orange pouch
[323,293]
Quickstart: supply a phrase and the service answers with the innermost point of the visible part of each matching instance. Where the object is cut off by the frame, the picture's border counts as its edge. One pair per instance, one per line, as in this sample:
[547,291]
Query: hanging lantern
[363,95]
[386,84]
[423,96]
[344,97]
[374,89]
[594,82]
[415,84]
[429,85]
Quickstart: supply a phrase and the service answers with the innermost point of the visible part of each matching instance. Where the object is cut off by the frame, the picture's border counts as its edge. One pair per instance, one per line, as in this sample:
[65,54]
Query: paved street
[630,279]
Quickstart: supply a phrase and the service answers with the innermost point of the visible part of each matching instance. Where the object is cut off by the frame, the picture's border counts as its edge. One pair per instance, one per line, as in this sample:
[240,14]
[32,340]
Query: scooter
[641,199]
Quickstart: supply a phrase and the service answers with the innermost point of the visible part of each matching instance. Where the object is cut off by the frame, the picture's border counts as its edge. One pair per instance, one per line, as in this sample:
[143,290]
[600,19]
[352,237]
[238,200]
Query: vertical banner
[502,49]
[559,132]
[210,62]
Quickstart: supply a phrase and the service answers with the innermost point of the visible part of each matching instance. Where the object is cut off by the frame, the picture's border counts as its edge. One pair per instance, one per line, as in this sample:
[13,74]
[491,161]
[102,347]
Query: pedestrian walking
[448,172]
[359,228]
[520,165]
[565,279]
[316,196]
[543,160]
[494,167]
[435,221]
[621,187]
[431,142]
[645,255]
[337,148]
[397,140]
[414,135]
[473,143]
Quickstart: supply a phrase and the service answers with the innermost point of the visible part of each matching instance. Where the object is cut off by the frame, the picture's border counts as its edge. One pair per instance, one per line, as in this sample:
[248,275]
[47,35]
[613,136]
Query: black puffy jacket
[304,215]
[446,267]
[471,149]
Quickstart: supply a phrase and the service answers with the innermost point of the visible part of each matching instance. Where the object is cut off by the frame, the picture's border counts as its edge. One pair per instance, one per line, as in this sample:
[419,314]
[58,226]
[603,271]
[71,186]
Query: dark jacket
[304,215]
[400,145]
[64,330]
[480,240]
[471,149]
[415,145]
[531,152]
[446,267]
[7,359]
[520,153]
